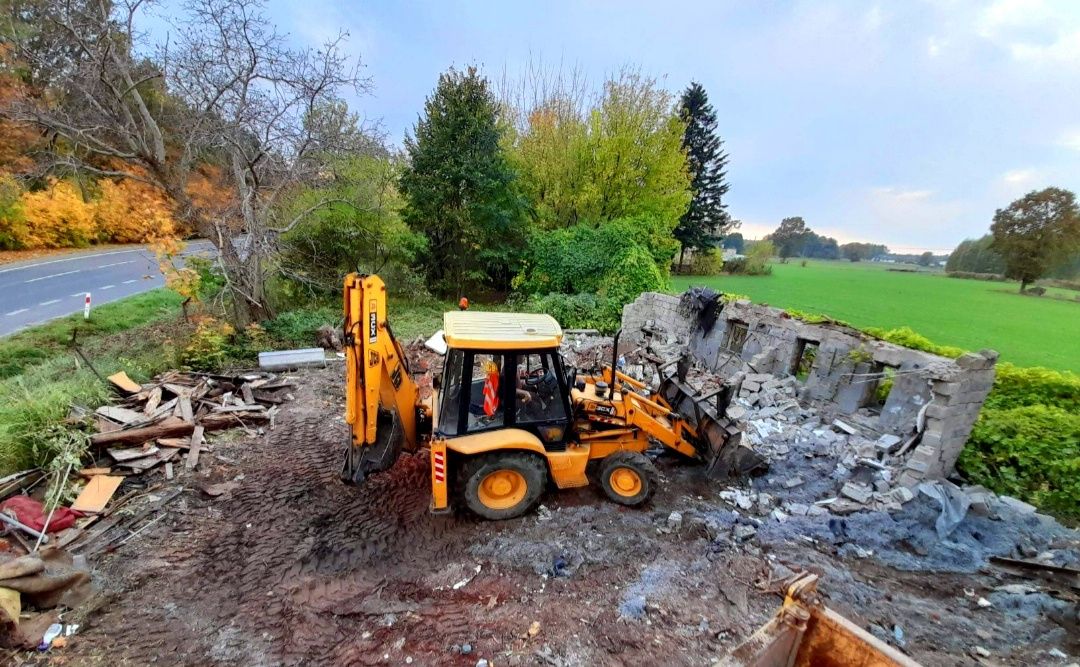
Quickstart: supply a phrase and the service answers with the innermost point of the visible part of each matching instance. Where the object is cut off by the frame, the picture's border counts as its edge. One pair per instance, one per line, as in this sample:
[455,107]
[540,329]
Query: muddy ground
[290,567]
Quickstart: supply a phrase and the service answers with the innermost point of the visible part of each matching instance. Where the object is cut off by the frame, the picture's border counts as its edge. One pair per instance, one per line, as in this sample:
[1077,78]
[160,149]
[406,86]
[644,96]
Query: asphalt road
[36,291]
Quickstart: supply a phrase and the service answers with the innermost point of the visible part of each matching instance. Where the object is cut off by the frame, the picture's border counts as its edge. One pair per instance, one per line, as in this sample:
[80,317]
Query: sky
[904,122]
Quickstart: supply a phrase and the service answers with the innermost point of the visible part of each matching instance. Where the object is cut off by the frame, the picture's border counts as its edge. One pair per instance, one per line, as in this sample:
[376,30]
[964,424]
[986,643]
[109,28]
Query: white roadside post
[86,307]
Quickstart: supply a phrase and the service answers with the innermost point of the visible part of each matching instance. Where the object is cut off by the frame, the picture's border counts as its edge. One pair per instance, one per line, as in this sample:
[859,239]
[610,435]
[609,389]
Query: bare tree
[223,88]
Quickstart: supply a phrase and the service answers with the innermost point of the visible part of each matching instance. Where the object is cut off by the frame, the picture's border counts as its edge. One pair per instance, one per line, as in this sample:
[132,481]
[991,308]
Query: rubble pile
[120,488]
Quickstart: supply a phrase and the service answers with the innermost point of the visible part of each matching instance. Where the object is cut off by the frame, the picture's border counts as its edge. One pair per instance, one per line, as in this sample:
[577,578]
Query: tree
[616,157]
[976,256]
[706,219]
[224,88]
[459,188]
[1035,232]
[857,252]
[926,259]
[790,237]
[735,241]
[820,247]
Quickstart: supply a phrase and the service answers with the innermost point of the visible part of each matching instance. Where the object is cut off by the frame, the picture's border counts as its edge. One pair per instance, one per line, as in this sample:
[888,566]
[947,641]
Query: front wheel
[503,485]
[628,478]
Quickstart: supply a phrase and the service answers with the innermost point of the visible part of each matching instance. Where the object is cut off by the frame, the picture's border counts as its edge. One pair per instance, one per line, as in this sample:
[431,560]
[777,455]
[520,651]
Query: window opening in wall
[737,332]
[884,385]
[805,355]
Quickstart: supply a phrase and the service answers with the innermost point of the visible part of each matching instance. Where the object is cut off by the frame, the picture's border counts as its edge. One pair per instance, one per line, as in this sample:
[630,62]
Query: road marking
[105,266]
[70,259]
[55,275]
[107,287]
[49,303]
[16,312]
[133,280]
[79,294]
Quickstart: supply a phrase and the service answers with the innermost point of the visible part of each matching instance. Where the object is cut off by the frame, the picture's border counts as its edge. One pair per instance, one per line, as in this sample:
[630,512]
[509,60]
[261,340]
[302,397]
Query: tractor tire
[629,478]
[502,485]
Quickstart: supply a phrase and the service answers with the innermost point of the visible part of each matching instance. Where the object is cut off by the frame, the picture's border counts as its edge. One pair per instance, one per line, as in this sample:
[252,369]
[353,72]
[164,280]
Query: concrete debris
[857,492]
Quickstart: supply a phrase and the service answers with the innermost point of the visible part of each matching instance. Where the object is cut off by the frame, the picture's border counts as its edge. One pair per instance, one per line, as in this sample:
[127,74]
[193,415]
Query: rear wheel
[503,485]
[629,478]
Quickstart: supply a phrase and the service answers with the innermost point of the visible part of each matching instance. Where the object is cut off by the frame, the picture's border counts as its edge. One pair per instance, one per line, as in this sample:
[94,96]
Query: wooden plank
[249,396]
[178,390]
[254,407]
[185,410]
[196,444]
[147,462]
[153,401]
[122,382]
[122,415]
[121,455]
[99,490]
[267,397]
[104,425]
[175,443]
[90,472]
[168,470]
[165,408]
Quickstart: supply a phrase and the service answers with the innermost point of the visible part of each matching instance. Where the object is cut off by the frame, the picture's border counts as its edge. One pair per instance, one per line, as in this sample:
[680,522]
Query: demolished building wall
[930,402]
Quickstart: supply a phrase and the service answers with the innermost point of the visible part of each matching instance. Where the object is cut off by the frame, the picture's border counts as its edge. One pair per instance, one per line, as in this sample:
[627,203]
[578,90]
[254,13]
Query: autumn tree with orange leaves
[226,91]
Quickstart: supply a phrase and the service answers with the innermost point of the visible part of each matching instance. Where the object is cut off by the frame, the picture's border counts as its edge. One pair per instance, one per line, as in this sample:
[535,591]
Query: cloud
[1037,32]
[1019,177]
[1070,139]
[907,218]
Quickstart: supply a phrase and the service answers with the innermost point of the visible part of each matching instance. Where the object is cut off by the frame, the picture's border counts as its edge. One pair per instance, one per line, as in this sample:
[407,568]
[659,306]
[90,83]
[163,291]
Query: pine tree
[459,190]
[703,224]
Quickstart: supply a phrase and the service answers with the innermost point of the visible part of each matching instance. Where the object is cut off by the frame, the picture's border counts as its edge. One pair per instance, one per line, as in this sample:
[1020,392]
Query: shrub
[1030,452]
[577,311]
[707,262]
[298,327]
[976,276]
[1016,387]
[207,348]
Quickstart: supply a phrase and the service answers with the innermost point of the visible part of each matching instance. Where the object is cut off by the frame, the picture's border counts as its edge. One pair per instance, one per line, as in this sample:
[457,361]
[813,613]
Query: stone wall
[932,404]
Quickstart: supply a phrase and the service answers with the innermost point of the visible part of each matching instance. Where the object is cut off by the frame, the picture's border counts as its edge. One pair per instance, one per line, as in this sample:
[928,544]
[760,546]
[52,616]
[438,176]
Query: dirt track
[292,567]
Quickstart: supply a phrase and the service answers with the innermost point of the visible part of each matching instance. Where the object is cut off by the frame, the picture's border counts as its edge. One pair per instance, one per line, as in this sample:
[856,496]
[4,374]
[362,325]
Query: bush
[1016,387]
[297,327]
[706,263]
[976,276]
[1030,452]
[206,351]
[577,311]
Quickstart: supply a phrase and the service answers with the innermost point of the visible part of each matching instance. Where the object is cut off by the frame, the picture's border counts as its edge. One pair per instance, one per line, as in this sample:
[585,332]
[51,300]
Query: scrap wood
[97,493]
[20,481]
[102,425]
[175,443]
[167,428]
[91,545]
[186,412]
[193,453]
[120,455]
[90,472]
[153,401]
[118,414]
[247,393]
[1064,575]
[159,456]
[122,382]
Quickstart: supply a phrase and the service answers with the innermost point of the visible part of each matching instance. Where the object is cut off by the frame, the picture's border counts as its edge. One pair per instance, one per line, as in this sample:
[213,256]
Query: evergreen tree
[703,224]
[459,189]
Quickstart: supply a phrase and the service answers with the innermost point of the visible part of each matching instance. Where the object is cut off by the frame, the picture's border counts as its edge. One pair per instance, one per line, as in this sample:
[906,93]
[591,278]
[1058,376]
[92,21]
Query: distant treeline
[977,256]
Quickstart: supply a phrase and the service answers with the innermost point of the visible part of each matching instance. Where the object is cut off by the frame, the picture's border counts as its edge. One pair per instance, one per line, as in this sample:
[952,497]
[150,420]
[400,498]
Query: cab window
[450,393]
[486,402]
[538,397]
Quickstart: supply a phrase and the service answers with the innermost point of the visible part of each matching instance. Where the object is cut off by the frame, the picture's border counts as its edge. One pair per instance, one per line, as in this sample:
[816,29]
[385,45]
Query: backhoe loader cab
[508,417]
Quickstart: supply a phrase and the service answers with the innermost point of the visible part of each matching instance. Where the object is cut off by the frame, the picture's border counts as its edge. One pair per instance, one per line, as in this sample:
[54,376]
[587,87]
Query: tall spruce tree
[704,223]
[459,190]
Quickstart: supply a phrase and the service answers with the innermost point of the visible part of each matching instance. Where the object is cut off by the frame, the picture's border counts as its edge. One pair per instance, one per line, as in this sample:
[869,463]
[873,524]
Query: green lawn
[972,314]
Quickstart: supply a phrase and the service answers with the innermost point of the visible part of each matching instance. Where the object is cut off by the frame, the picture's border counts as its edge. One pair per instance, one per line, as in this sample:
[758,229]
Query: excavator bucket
[364,460]
[806,633]
[719,441]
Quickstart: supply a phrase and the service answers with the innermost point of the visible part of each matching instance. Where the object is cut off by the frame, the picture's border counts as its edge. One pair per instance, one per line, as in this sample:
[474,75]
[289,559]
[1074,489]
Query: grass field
[971,314]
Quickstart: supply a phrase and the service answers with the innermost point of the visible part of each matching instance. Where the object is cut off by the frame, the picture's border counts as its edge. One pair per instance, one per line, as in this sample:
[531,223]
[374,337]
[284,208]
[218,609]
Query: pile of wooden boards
[158,420]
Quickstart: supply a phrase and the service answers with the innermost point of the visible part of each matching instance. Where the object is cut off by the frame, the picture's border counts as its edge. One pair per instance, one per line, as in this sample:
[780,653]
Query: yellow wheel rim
[502,489]
[625,482]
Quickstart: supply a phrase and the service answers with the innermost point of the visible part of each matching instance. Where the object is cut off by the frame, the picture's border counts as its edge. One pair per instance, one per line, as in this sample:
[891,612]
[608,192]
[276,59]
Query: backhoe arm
[381,398]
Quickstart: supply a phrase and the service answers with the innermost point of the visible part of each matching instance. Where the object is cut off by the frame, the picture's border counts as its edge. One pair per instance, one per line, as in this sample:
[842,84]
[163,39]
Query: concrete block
[972,361]
[917,466]
[989,355]
[946,388]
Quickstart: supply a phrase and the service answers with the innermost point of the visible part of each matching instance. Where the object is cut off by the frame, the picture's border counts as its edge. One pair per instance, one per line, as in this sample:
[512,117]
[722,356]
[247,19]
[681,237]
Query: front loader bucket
[363,460]
[719,442]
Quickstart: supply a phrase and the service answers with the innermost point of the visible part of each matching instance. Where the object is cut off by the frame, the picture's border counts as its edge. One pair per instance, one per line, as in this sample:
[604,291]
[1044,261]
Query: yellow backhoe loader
[508,416]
